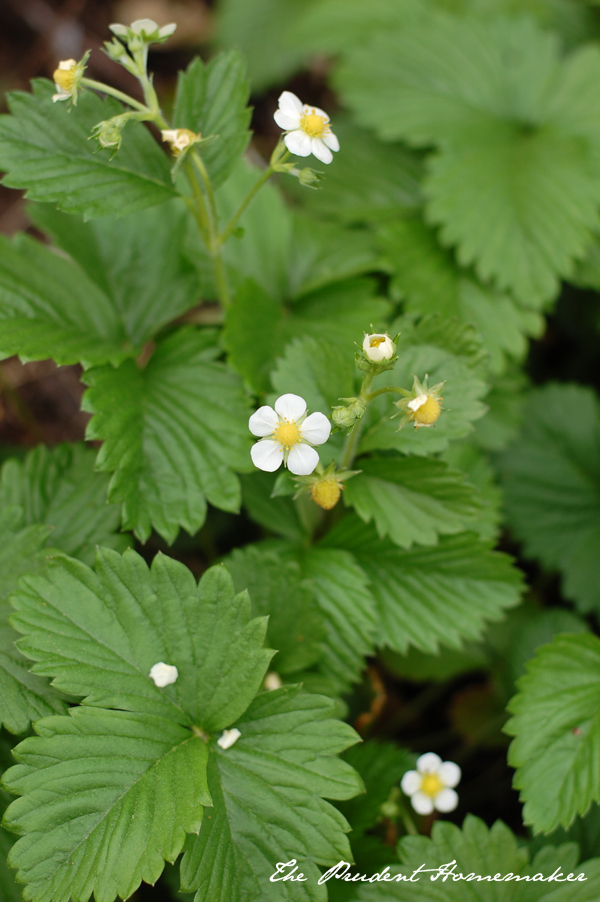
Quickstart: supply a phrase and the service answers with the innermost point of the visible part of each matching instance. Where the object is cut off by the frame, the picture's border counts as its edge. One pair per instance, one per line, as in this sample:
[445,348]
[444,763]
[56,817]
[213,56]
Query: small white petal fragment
[290,105]
[411,782]
[272,681]
[228,738]
[316,429]
[163,674]
[428,763]
[446,800]
[267,455]
[320,151]
[302,460]
[290,407]
[450,774]
[264,422]
[422,803]
[417,402]
[298,143]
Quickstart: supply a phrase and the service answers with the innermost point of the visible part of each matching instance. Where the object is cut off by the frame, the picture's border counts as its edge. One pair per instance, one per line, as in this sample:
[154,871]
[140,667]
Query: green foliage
[429,596]
[59,487]
[410,499]
[8,888]
[487,94]
[557,730]
[551,477]
[172,432]
[479,850]
[212,100]
[149,760]
[46,151]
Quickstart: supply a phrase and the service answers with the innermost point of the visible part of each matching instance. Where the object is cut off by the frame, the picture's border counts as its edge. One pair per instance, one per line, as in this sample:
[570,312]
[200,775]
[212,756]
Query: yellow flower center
[431,785]
[287,434]
[65,78]
[314,125]
[375,342]
[427,413]
[326,493]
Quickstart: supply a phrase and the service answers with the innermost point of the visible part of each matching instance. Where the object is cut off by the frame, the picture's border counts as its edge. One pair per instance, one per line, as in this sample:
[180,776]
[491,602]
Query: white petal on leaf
[316,428]
[163,674]
[302,460]
[450,774]
[290,407]
[228,738]
[283,121]
[320,151]
[446,800]
[263,422]
[290,105]
[267,455]
[421,803]
[331,141]
[411,782]
[429,763]
[298,142]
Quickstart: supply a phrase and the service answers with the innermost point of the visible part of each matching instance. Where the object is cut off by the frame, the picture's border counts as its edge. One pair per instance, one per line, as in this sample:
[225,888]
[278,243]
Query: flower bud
[309,177]
[379,346]
[344,417]
[180,139]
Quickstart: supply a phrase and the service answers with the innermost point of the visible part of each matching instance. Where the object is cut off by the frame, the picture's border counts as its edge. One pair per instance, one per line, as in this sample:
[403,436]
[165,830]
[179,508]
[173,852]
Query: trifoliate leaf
[428,278]
[373,183]
[59,487]
[149,282]
[468,458]
[491,853]
[212,99]
[278,591]
[585,831]
[332,26]
[551,477]
[23,696]
[487,93]
[449,352]
[431,596]
[411,499]
[139,773]
[257,327]
[557,730]
[44,148]
[267,807]
[172,432]
[49,308]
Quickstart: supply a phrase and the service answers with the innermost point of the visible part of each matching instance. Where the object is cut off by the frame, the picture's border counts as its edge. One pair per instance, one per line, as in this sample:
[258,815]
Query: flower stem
[407,820]
[264,177]
[353,436]
[212,241]
[396,389]
[106,89]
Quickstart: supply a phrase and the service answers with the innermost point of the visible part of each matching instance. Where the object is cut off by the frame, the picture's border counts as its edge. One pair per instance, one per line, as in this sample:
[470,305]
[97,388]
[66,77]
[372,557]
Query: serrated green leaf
[137,261]
[551,478]
[266,791]
[430,596]
[44,148]
[486,852]
[212,99]
[557,730]
[147,761]
[9,890]
[411,500]
[23,696]
[468,458]
[295,627]
[279,515]
[449,352]
[172,432]
[59,487]
[257,327]
[428,278]
[505,402]
[487,94]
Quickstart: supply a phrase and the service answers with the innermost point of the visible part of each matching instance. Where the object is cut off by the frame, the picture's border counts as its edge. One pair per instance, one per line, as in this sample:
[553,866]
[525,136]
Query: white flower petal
[307,108]
[450,774]
[167,30]
[283,121]
[298,142]
[290,105]
[163,674]
[320,151]
[228,738]
[411,782]
[272,681]
[315,429]
[417,402]
[148,26]
[119,29]
[421,803]
[290,407]
[331,141]
[267,455]
[446,800]
[302,460]
[263,422]
[428,763]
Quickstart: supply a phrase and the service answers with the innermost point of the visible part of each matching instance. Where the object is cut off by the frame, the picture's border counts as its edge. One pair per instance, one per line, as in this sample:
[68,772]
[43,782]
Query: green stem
[407,820]
[231,225]
[213,244]
[106,89]
[352,438]
[387,388]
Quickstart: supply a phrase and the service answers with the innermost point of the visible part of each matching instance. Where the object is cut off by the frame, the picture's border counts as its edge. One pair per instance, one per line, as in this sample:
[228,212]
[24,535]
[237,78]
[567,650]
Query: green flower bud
[345,416]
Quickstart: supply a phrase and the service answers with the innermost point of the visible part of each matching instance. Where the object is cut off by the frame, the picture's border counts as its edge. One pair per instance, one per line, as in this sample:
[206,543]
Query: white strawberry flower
[307,128]
[163,674]
[432,784]
[379,346]
[288,435]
